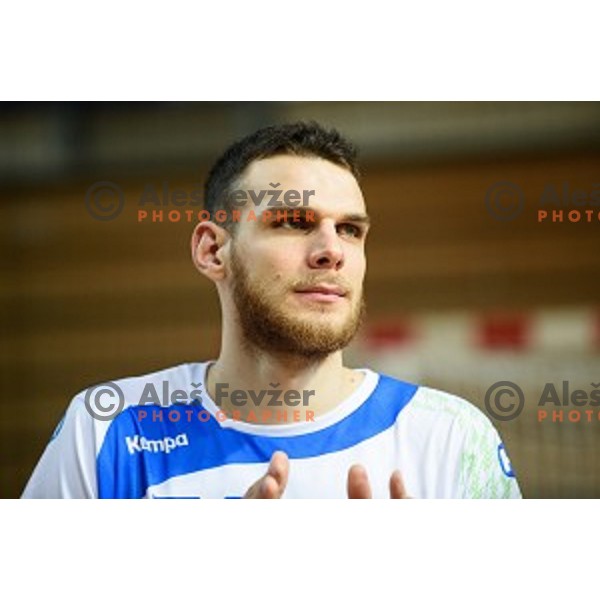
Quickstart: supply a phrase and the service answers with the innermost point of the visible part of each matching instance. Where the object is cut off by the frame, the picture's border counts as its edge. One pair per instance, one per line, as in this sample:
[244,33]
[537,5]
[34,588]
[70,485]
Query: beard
[266,324]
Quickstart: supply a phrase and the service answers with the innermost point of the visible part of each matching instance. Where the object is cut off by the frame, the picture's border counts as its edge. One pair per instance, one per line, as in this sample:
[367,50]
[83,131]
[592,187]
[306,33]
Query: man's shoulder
[447,403]
[438,405]
[161,385]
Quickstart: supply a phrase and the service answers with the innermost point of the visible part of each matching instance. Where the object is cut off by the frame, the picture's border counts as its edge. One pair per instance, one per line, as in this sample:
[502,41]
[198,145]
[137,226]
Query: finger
[279,469]
[272,485]
[397,489]
[358,483]
[269,489]
[265,488]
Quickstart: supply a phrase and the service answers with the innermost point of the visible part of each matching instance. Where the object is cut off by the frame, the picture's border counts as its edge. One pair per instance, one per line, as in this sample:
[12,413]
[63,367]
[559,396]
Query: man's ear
[208,247]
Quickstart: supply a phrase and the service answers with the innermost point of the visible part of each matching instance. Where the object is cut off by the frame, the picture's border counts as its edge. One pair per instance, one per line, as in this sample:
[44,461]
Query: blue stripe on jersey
[124,471]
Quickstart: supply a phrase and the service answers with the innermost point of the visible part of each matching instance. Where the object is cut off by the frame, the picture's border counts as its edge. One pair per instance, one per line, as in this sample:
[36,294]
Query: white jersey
[443,445]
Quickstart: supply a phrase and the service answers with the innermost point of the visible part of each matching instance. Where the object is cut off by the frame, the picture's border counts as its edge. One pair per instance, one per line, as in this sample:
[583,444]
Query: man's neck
[311,387]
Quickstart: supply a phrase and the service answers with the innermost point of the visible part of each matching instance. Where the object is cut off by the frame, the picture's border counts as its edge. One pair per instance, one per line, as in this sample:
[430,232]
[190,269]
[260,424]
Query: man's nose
[326,251]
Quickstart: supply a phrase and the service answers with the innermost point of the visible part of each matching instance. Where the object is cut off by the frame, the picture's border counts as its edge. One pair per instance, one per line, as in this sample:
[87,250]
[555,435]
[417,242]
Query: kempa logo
[141,444]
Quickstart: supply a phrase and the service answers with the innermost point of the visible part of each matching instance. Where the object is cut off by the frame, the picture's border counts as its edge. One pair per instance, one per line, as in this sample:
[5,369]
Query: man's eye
[293,224]
[351,230]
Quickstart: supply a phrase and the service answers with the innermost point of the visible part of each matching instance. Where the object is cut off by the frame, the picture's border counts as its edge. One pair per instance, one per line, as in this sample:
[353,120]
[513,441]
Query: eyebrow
[353,217]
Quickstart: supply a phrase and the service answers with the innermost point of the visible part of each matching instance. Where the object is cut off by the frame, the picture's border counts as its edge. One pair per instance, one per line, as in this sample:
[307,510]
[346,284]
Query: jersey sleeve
[485,469]
[67,468]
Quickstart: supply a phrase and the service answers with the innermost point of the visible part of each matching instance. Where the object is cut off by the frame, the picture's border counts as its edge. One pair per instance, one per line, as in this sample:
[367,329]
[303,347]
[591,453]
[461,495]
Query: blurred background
[465,287]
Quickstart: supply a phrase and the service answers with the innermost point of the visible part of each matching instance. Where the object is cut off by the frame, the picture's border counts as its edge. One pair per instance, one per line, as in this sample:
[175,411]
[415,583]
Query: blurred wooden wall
[85,301]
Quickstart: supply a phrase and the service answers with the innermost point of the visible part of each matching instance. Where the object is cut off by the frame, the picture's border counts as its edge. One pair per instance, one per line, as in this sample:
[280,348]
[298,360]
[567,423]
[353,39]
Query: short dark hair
[307,139]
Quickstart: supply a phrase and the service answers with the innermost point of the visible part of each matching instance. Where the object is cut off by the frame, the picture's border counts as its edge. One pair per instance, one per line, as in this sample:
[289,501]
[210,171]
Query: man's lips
[328,290]
[322,293]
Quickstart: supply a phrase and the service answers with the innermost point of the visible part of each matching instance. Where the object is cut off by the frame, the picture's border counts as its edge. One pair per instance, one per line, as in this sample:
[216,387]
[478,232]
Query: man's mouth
[323,293]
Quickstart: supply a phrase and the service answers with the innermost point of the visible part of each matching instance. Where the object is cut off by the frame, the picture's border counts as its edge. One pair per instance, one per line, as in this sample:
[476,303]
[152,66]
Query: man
[288,263]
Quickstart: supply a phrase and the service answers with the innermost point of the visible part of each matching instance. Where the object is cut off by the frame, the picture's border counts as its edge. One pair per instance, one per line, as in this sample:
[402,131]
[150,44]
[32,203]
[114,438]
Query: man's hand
[271,485]
[359,487]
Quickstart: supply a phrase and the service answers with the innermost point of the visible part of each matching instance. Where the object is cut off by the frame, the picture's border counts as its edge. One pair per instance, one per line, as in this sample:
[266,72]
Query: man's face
[298,286]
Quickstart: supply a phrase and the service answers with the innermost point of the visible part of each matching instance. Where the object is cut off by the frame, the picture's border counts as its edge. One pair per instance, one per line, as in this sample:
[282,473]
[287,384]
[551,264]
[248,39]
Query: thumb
[272,484]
